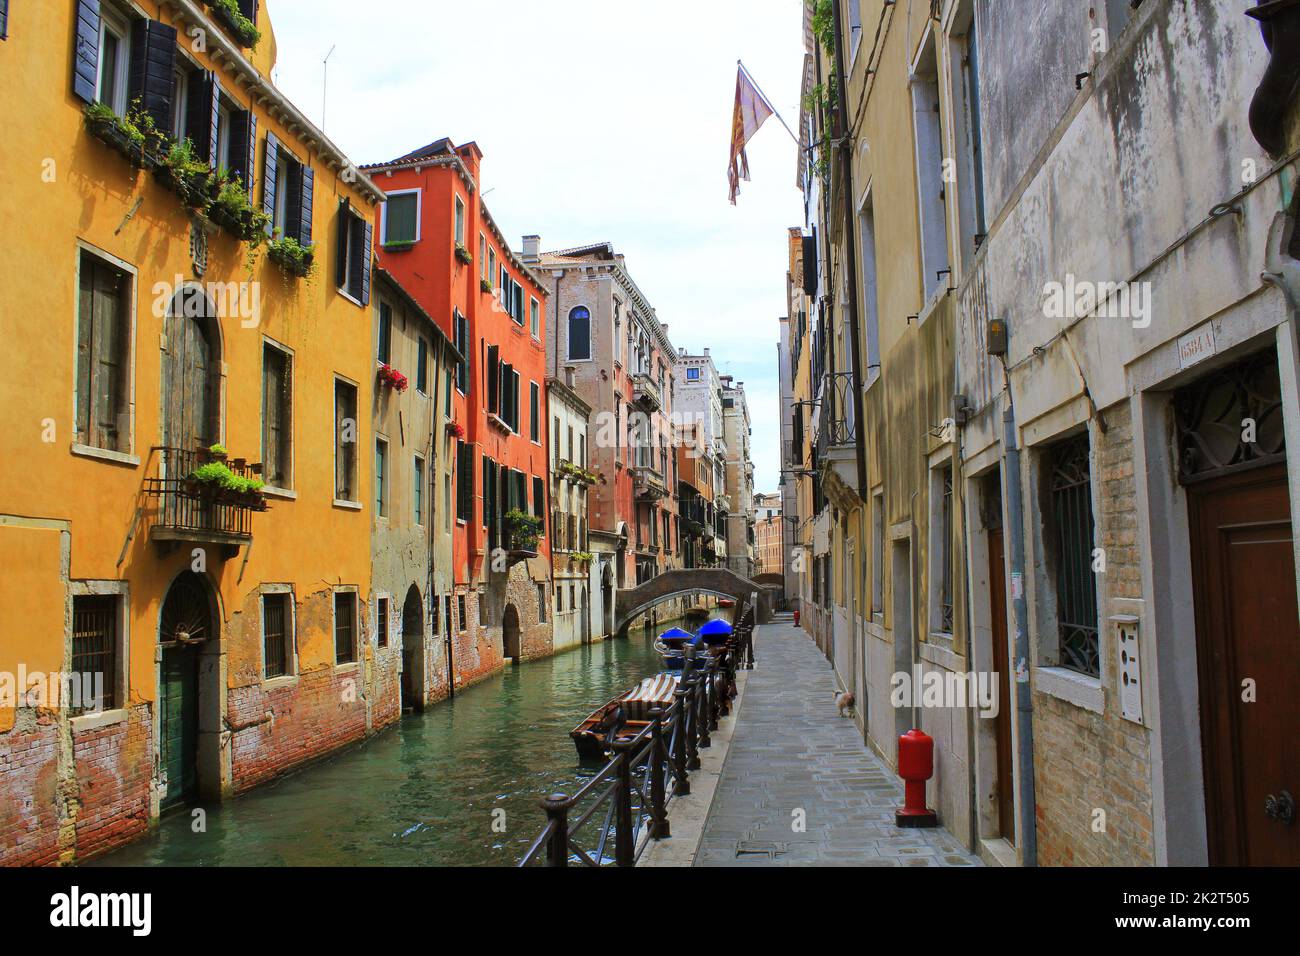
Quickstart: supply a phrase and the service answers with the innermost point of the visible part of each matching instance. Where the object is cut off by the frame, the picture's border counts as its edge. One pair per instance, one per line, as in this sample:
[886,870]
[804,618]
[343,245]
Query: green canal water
[421,793]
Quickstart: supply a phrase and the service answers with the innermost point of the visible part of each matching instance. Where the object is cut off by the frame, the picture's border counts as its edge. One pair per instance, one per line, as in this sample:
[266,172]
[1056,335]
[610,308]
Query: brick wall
[113,768]
[1085,761]
[30,804]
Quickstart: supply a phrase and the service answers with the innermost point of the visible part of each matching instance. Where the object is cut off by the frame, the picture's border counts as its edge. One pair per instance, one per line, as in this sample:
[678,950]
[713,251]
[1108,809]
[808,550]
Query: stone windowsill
[1072,687]
[104,718]
[105,454]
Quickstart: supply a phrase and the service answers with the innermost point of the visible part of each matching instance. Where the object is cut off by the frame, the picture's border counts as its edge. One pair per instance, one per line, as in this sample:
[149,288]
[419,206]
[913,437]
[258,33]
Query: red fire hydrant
[796,617]
[915,766]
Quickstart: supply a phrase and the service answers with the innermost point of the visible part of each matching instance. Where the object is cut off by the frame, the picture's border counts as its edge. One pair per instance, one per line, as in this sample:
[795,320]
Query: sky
[598,121]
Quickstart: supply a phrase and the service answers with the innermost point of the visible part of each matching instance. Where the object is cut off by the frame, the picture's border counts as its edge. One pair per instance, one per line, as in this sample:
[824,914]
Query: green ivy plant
[525,530]
[243,28]
[291,255]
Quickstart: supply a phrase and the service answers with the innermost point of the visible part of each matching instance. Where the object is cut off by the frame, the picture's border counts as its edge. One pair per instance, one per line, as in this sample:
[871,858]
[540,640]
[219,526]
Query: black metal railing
[198,509]
[836,425]
[619,811]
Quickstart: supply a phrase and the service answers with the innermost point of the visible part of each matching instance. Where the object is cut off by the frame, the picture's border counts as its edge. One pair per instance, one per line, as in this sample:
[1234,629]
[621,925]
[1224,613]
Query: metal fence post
[624,848]
[557,845]
[658,812]
[683,784]
[702,708]
[715,705]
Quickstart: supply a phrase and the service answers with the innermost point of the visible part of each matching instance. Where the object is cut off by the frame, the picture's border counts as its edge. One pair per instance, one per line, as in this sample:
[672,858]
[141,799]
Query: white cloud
[598,121]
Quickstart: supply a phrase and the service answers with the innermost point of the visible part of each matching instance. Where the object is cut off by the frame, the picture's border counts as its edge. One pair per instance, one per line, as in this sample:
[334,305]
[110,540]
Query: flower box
[244,31]
[390,377]
[295,263]
[463,254]
[191,188]
[485,285]
[455,429]
[396,247]
[110,132]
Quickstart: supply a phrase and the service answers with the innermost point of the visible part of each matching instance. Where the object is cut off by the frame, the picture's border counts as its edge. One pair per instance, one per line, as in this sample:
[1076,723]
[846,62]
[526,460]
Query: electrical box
[995,337]
[1130,667]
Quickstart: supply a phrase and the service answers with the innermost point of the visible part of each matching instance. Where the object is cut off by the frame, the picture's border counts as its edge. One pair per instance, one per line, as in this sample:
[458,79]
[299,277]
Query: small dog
[844,701]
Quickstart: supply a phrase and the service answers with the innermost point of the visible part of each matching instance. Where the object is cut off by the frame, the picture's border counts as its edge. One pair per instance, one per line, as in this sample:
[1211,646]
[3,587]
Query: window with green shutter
[103,355]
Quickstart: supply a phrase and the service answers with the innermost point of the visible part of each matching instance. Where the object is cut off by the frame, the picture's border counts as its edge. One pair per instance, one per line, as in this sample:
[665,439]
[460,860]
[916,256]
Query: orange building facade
[438,239]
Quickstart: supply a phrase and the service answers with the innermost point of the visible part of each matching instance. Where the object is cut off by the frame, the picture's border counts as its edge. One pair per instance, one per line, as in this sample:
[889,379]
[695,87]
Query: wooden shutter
[85,338]
[515,400]
[493,379]
[356,256]
[243,147]
[202,97]
[101,357]
[270,162]
[368,231]
[507,377]
[4,19]
[293,197]
[341,245]
[85,54]
[153,69]
[305,205]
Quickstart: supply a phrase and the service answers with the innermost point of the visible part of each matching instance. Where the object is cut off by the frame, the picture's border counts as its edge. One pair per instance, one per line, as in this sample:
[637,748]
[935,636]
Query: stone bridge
[721,582]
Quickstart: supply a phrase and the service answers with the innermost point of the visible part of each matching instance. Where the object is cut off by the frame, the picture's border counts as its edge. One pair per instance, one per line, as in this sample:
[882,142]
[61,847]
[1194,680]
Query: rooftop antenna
[324,93]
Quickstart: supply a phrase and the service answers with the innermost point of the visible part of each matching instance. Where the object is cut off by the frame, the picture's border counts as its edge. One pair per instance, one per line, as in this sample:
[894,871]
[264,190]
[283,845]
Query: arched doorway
[188,635]
[510,633]
[607,599]
[413,650]
[191,373]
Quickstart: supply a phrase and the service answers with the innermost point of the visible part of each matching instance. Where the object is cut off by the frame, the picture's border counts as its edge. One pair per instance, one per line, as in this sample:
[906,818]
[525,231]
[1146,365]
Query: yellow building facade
[144,329]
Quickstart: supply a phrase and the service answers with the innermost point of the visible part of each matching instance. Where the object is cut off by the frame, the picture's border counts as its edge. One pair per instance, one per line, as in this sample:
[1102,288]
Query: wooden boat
[695,616]
[623,717]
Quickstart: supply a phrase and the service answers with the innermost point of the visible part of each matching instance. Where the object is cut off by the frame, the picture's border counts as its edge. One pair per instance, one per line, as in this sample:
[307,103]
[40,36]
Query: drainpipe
[851,248]
[1024,692]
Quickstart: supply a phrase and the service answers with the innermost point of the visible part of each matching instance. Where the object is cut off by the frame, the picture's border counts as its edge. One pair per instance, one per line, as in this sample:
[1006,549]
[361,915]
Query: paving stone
[790,750]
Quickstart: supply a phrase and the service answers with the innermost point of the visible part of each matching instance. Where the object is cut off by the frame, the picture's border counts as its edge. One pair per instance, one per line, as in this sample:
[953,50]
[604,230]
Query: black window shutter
[494,379]
[4,19]
[507,376]
[214,118]
[305,205]
[153,69]
[268,180]
[341,260]
[369,235]
[243,147]
[292,201]
[85,53]
[249,9]
[198,115]
[356,255]
[810,264]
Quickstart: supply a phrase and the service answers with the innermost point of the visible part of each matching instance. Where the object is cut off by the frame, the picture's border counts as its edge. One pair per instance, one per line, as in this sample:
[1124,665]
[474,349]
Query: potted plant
[216,482]
[241,28]
[524,531]
[231,208]
[390,377]
[185,174]
[291,256]
[455,429]
[133,135]
[402,245]
[463,253]
[485,284]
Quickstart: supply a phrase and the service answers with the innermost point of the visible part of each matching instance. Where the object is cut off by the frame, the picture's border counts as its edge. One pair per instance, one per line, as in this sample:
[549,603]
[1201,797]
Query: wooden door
[189,376]
[1002,668]
[1248,650]
[179,722]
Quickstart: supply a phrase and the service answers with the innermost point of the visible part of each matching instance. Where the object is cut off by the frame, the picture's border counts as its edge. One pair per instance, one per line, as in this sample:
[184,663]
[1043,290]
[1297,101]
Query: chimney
[706,351]
[569,375]
[532,248]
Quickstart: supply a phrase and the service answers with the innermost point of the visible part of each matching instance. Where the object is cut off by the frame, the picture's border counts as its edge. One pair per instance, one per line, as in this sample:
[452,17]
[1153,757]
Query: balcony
[645,392]
[648,484]
[837,432]
[722,503]
[193,511]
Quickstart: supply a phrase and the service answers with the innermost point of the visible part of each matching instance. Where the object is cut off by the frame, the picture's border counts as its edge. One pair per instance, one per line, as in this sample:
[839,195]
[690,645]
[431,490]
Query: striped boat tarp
[652,692]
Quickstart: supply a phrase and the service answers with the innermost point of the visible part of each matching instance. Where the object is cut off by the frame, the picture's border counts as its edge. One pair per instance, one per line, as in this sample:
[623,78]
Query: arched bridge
[630,603]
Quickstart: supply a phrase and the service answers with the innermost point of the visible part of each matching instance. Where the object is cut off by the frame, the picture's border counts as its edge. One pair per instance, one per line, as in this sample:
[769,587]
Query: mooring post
[557,814]
[658,810]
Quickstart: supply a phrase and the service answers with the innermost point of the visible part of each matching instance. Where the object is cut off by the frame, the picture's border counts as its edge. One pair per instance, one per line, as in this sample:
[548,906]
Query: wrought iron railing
[836,425]
[645,390]
[190,508]
[619,811]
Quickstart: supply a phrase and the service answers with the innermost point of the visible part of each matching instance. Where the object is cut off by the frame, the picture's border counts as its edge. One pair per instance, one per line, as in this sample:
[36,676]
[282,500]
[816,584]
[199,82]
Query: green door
[180,722]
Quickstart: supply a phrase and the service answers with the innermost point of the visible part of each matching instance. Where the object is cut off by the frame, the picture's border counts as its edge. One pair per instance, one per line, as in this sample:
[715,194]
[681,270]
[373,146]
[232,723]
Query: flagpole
[769,103]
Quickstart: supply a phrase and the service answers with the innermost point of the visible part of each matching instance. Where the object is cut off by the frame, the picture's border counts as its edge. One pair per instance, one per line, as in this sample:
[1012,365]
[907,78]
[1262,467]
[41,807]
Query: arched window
[579,334]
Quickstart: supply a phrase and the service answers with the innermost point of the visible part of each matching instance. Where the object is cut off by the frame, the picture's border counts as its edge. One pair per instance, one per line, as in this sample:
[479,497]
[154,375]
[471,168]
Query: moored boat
[623,717]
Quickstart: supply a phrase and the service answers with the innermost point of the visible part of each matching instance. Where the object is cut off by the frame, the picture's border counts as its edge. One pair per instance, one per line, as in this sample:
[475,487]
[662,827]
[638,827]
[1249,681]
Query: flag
[751,111]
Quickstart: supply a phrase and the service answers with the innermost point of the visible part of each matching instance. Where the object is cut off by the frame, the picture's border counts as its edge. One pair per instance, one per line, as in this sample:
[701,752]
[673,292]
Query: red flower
[392,378]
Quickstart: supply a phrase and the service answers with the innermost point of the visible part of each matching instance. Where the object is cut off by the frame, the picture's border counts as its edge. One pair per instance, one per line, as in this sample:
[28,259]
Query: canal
[422,793]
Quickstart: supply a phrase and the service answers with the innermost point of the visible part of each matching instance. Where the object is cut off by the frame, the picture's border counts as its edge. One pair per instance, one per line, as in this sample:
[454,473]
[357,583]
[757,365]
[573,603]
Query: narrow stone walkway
[794,758]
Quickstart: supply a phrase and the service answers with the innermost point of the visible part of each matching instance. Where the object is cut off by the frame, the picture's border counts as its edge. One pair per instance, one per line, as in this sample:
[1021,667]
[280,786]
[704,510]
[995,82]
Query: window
[492,263]
[539,501]
[446,502]
[556,456]
[460,221]
[96,644]
[534,411]
[381,621]
[381,477]
[692,375]
[464,481]
[1070,488]
[512,296]
[114,61]
[535,317]
[867,230]
[288,188]
[345,441]
[968,135]
[422,365]
[854,9]
[417,490]
[927,130]
[460,609]
[277,626]
[277,416]
[878,554]
[483,619]
[541,603]
[402,217]
[941,549]
[352,263]
[580,335]
[4,19]
[103,355]
[582,450]
[483,270]
[345,627]
[384,347]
